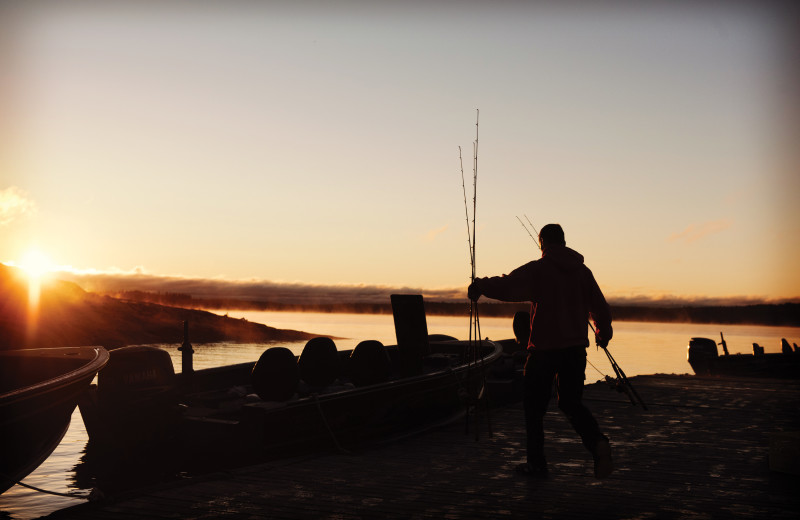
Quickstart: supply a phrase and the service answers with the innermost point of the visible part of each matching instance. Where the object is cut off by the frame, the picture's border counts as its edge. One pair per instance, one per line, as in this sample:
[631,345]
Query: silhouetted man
[563,295]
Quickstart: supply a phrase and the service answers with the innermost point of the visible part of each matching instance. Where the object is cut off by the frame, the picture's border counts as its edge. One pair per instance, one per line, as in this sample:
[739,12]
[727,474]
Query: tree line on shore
[779,314]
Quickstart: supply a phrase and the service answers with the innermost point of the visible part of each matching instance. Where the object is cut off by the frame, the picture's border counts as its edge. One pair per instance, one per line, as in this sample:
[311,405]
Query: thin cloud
[14,204]
[433,233]
[695,232]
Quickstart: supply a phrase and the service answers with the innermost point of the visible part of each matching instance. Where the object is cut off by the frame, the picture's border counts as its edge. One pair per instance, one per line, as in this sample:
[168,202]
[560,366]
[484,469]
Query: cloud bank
[14,204]
[250,290]
[320,294]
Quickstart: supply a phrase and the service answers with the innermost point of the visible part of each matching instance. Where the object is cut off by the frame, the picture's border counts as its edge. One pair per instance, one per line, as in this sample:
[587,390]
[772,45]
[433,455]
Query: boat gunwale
[94,357]
[427,376]
[490,357]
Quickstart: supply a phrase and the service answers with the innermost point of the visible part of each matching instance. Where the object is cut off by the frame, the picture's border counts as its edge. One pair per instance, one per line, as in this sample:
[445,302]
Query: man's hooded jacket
[563,295]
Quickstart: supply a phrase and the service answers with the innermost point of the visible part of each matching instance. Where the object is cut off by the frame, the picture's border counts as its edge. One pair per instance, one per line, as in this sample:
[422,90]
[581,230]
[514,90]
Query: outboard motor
[136,396]
[369,364]
[275,375]
[319,363]
[136,376]
[702,354]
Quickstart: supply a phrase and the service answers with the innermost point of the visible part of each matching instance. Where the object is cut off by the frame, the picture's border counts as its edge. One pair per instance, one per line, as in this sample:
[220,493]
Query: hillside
[69,316]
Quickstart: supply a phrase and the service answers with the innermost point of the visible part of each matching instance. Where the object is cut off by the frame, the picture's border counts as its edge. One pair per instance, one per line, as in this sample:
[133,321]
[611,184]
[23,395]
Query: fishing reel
[620,386]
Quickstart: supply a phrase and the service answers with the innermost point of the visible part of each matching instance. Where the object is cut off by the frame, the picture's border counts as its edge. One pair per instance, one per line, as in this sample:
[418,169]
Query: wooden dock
[700,450]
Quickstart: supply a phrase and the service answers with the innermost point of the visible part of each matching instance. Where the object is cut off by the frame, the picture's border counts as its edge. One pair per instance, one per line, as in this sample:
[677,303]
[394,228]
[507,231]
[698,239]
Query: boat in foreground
[285,404]
[39,390]
[269,408]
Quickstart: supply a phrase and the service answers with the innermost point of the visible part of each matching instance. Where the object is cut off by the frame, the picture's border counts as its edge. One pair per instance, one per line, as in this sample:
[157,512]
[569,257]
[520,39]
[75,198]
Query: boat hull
[40,390]
[212,424]
[352,418]
[776,365]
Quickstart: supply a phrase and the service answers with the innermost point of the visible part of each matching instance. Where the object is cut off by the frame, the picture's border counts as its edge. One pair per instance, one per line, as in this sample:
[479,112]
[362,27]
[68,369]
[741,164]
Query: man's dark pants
[566,367]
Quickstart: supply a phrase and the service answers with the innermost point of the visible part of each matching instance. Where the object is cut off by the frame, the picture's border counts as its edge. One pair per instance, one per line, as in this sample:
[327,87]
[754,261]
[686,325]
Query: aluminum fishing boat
[284,404]
[39,389]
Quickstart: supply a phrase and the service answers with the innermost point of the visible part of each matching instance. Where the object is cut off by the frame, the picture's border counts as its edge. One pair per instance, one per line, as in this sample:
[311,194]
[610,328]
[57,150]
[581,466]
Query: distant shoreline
[783,314]
[68,316]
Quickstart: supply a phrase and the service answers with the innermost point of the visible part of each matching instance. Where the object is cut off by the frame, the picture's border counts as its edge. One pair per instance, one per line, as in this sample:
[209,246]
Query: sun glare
[36,264]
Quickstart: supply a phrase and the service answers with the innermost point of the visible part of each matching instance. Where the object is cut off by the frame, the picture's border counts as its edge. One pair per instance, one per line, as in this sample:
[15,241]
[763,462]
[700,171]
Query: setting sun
[36,264]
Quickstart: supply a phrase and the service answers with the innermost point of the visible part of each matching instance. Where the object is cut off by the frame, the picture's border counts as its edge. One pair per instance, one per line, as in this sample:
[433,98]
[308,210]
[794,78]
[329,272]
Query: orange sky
[320,145]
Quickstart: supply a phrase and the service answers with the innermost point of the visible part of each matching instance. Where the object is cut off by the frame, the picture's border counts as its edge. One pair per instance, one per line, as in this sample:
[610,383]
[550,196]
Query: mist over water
[639,348]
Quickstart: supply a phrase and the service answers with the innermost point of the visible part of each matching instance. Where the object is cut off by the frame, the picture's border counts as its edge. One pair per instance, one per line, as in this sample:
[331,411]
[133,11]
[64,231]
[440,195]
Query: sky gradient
[319,144]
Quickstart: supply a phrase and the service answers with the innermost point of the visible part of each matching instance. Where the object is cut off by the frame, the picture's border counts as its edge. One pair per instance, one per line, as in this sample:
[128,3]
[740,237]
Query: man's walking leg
[538,386]
[570,379]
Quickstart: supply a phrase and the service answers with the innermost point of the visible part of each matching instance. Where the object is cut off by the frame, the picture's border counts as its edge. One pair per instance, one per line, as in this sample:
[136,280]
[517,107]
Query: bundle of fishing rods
[474,319]
[478,396]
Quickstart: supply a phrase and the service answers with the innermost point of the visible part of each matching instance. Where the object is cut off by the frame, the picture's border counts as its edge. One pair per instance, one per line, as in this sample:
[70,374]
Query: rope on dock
[71,494]
[328,427]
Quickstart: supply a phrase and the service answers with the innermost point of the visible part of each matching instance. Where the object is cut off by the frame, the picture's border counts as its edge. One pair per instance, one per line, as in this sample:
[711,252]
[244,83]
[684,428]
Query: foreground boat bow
[39,389]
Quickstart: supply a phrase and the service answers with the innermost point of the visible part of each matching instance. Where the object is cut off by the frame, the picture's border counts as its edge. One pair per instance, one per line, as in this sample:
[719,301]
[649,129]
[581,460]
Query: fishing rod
[534,229]
[621,383]
[535,241]
[529,232]
[474,208]
[627,387]
[473,319]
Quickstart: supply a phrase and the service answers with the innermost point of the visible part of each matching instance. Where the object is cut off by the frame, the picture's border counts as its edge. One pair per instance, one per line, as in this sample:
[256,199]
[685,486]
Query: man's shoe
[603,465]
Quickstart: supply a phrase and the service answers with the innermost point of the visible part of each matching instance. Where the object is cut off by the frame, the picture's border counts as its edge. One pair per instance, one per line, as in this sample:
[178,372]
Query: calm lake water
[639,348]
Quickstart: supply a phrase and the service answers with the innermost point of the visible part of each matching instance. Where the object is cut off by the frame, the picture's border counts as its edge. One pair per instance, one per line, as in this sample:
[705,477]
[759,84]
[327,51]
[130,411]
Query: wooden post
[187,361]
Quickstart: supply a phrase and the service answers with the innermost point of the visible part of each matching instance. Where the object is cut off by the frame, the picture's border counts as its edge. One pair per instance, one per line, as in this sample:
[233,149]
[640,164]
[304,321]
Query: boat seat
[411,329]
[369,364]
[275,375]
[319,362]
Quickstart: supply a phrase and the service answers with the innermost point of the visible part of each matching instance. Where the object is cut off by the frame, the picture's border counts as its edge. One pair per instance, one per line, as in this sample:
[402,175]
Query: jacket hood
[563,257]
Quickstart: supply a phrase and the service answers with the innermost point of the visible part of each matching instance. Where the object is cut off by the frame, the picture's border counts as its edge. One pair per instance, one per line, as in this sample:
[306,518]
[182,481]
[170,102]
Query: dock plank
[700,451]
